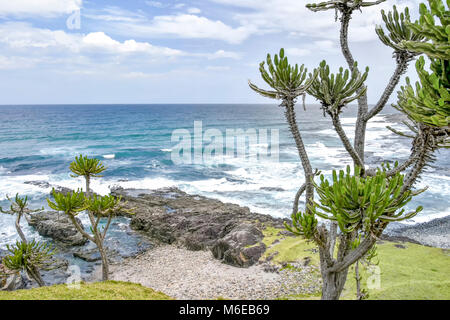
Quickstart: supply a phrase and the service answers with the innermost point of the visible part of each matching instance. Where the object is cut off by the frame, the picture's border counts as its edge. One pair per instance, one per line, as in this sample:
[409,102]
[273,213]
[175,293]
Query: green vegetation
[97,207]
[408,271]
[360,205]
[414,273]
[288,249]
[107,290]
[26,256]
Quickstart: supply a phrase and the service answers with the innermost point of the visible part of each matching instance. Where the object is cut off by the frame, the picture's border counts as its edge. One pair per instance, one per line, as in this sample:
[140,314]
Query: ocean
[37,143]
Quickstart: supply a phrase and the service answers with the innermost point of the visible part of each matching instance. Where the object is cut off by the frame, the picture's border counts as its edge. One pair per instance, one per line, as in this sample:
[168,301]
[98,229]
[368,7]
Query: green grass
[109,290]
[417,272]
[290,249]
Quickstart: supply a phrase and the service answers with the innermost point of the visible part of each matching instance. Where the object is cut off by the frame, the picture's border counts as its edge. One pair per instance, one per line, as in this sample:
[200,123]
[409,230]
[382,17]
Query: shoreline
[197,275]
[433,233]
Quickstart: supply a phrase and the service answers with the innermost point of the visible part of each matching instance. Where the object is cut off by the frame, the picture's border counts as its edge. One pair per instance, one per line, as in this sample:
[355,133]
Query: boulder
[241,247]
[58,227]
[170,216]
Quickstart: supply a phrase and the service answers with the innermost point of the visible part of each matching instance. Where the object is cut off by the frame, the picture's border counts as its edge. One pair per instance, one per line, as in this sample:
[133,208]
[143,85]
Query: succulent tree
[96,207]
[29,257]
[88,168]
[30,254]
[359,205]
[287,83]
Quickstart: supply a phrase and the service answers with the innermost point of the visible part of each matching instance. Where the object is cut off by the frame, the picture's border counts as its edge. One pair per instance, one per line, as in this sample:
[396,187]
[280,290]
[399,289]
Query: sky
[172,51]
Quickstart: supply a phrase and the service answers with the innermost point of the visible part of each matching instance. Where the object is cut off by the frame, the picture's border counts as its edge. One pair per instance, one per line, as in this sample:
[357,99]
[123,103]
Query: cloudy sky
[170,51]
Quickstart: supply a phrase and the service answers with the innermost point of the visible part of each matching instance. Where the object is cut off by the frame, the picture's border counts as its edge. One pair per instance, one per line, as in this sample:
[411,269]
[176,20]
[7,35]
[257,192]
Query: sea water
[37,143]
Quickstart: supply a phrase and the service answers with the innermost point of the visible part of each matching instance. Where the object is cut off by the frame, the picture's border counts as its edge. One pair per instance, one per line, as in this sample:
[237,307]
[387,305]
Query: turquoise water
[37,143]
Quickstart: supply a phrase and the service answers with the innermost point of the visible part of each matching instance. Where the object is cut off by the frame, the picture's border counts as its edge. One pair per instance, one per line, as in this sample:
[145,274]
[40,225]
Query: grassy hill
[109,290]
[408,271]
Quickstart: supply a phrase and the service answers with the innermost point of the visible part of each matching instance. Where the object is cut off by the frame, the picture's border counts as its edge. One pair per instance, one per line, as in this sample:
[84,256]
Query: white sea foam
[3,170]
[166,150]
[62,151]
[109,156]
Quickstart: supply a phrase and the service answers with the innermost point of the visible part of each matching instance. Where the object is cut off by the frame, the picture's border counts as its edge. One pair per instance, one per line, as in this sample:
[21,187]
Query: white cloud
[296,52]
[292,16]
[155,4]
[218,68]
[222,54]
[46,8]
[187,26]
[194,10]
[101,42]
[113,14]
[9,63]
[24,36]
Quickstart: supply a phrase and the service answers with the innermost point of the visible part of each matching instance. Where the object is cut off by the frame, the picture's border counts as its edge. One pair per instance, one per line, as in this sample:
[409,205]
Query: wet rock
[58,227]
[46,185]
[88,255]
[276,189]
[170,216]
[10,282]
[93,255]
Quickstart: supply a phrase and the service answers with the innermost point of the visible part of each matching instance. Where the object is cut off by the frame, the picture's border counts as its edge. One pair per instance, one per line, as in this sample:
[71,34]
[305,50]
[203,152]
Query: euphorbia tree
[360,205]
[29,257]
[96,207]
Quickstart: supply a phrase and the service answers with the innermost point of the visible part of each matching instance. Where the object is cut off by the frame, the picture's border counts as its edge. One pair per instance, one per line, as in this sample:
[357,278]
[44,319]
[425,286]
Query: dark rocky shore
[435,233]
[232,234]
[171,216]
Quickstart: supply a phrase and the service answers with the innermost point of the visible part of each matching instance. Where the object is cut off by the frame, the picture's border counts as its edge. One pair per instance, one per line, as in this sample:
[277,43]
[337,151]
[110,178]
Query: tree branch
[403,60]
[346,142]
[80,229]
[297,198]
[306,164]
[106,227]
[354,255]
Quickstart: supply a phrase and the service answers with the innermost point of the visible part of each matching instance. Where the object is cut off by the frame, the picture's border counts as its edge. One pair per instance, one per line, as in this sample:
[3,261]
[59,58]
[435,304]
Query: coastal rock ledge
[58,227]
[171,216]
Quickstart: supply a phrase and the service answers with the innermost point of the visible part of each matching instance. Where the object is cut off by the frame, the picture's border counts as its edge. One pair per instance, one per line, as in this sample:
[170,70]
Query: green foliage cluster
[286,80]
[29,256]
[427,26]
[398,27]
[429,102]
[71,203]
[86,167]
[357,202]
[335,91]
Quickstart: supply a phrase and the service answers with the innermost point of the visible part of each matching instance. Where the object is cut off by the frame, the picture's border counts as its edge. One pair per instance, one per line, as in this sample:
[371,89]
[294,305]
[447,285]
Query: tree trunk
[333,284]
[290,117]
[358,282]
[19,229]
[34,273]
[97,236]
[363,108]
[105,264]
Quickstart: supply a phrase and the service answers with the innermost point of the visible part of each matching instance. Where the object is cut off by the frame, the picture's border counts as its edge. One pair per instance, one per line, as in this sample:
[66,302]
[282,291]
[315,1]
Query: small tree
[29,257]
[360,205]
[96,207]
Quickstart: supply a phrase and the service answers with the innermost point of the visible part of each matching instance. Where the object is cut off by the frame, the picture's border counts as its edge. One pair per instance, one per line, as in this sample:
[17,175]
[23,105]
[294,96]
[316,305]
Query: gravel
[435,233]
[185,274]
